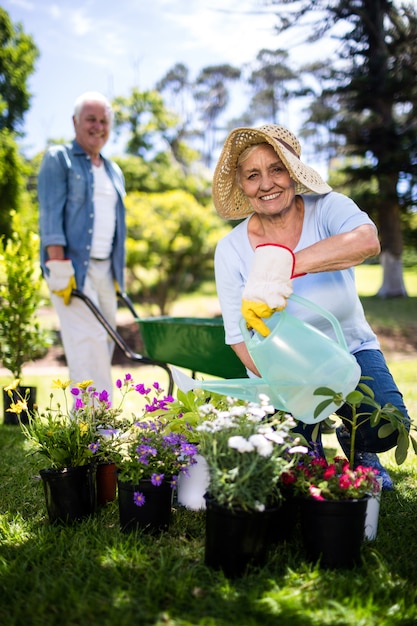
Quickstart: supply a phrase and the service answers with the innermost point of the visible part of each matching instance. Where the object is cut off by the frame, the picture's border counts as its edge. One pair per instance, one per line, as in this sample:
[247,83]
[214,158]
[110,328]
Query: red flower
[345,481]
[288,478]
[329,472]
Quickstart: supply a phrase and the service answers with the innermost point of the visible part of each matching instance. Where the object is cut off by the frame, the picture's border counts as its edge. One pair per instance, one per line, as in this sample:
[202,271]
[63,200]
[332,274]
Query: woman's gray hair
[92,96]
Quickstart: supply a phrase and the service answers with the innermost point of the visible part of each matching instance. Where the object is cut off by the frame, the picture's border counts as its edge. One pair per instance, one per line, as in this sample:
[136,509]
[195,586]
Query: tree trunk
[393,283]
[389,225]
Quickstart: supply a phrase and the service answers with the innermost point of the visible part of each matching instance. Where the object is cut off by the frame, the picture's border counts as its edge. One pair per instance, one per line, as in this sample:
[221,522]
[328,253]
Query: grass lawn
[91,574]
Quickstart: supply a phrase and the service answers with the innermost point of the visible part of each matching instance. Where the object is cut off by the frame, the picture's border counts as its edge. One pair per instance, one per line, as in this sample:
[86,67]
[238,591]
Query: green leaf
[355,398]
[320,407]
[366,390]
[324,391]
[386,430]
[402,449]
[315,433]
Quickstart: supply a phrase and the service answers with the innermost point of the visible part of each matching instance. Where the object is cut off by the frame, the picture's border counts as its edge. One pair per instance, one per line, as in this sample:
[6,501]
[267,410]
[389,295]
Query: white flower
[262,445]
[298,450]
[274,436]
[241,444]
[260,507]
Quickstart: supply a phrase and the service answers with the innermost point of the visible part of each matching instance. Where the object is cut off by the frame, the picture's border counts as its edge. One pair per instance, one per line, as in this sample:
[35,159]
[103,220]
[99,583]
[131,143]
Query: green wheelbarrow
[193,343]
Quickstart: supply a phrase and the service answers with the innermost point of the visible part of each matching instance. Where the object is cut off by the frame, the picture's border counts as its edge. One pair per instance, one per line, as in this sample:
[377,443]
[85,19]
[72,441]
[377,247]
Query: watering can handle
[314,307]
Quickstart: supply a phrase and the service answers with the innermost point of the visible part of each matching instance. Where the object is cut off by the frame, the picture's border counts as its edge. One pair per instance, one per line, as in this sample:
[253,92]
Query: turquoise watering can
[294,360]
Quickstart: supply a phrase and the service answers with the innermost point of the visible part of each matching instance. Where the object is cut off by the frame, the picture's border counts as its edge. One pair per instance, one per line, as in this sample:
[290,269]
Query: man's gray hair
[91,96]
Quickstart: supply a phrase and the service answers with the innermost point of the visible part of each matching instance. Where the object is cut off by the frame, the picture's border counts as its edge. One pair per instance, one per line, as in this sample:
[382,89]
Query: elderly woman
[298,236]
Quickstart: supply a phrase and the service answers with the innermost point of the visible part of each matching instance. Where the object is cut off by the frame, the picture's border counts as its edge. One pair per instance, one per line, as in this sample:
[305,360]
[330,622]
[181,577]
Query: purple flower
[142,390]
[138,498]
[75,391]
[94,446]
[156,386]
[144,449]
[174,482]
[104,396]
[79,404]
[128,377]
[119,383]
[189,449]
[157,479]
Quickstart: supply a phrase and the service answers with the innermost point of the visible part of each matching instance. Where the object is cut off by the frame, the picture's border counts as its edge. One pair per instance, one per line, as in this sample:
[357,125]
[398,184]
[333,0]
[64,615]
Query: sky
[112,46]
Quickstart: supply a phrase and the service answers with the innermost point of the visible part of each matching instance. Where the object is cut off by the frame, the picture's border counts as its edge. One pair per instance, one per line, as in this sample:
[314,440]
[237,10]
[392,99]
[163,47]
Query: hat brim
[230,201]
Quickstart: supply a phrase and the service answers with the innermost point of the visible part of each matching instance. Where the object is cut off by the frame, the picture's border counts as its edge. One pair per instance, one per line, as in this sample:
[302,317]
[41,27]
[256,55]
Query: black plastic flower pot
[70,493]
[236,538]
[154,513]
[333,531]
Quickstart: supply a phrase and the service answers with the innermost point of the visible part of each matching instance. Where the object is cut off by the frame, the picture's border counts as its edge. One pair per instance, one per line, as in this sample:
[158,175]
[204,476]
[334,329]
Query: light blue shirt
[324,216]
[66,208]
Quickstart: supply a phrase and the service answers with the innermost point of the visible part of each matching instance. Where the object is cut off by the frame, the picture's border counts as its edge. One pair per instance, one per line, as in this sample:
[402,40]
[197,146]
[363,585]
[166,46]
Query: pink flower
[315,493]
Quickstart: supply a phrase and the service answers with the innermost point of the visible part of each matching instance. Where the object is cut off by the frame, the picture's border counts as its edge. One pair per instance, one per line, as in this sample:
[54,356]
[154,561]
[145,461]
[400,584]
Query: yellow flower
[59,384]
[85,384]
[18,408]
[83,428]
[13,386]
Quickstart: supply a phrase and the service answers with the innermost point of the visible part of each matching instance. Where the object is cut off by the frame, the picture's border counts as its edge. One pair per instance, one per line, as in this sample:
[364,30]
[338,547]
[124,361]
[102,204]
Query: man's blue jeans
[373,365]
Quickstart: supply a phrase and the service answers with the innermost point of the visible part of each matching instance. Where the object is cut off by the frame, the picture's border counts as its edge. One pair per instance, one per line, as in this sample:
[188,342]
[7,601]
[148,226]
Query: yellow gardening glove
[268,286]
[253,312]
[61,278]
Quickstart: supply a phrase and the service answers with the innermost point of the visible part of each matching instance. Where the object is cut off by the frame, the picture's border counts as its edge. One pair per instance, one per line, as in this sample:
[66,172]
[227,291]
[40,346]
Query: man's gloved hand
[268,286]
[61,279]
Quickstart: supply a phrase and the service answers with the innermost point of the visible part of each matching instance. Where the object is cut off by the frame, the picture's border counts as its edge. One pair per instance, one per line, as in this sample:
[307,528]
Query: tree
[373,91]
[268,79]
[18,54]
[212,94]
[145,119]
[170,245]
[11,180]
[178,87]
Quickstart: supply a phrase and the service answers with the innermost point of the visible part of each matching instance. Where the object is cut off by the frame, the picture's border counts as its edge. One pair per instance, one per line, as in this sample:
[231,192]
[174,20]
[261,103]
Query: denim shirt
[66,208]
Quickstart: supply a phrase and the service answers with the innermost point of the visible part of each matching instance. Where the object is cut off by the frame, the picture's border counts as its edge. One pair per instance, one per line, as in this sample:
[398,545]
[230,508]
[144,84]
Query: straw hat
[230,201]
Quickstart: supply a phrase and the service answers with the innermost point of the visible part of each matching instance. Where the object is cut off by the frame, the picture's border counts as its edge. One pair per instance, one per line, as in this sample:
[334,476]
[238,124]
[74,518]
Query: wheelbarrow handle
[127,302]
[118,339]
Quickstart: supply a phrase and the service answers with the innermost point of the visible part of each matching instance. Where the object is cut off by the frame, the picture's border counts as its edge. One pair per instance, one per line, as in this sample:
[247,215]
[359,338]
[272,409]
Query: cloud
[80,23]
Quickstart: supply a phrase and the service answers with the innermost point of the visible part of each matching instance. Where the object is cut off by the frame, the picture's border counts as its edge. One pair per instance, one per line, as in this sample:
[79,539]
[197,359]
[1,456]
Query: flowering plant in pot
[334,496]
[247,448]
[63,436]
[148,448]
[149,458]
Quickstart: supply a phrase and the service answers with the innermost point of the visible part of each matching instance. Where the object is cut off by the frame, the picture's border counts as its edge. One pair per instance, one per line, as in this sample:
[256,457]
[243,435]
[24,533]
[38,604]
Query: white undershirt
[104,198]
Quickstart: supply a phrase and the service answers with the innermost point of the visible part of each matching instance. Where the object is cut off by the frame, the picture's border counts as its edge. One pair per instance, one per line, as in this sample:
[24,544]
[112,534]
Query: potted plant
[66,437]
[21,338]
[247,449]
[149,457]
[334,496]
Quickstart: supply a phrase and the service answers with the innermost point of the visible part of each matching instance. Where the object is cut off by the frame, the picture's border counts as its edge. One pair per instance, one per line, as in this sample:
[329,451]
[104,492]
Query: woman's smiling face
[265,180]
